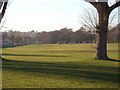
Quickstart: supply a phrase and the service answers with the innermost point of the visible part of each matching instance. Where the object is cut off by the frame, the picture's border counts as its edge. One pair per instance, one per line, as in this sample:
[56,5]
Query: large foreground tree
[3,6]
[104,11]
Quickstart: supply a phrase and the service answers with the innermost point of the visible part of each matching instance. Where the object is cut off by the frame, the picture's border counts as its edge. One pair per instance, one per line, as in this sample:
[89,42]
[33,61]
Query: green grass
[59,66]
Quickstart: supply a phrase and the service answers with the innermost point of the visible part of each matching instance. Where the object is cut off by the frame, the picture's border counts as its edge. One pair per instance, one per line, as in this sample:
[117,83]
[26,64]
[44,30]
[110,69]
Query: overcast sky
[44,15]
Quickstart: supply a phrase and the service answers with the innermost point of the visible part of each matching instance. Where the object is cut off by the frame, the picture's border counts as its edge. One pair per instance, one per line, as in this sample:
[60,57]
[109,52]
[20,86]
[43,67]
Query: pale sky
[44,15]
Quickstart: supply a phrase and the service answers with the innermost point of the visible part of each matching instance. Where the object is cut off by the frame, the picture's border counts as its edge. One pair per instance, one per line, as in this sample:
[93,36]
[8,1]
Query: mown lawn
[59,66]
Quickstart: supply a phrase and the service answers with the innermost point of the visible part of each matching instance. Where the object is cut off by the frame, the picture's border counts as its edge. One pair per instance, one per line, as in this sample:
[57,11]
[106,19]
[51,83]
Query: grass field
[59,66]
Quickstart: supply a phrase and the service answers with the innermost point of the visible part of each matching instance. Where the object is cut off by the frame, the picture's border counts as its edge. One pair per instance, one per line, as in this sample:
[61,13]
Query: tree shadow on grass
[83,71]
[109,59]
[35,55]
[113,60]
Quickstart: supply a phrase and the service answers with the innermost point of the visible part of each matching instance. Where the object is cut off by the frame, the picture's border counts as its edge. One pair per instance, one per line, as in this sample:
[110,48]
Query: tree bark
[101,52]
[102,29]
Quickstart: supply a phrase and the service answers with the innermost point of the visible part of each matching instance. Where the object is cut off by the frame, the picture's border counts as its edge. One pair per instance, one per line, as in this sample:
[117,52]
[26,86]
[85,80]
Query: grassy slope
[59,66]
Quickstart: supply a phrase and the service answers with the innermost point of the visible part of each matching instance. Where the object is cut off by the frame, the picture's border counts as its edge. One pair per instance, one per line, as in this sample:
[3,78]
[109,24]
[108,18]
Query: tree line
[62,36]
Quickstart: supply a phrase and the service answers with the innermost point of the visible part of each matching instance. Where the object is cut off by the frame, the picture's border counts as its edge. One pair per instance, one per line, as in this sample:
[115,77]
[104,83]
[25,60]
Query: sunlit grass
[59,66]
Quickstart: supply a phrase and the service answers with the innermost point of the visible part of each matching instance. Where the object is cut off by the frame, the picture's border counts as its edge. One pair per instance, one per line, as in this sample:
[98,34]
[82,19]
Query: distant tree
[104,11]
[113,34]
[4,38]
[80,35]
[65,35]
[54,37]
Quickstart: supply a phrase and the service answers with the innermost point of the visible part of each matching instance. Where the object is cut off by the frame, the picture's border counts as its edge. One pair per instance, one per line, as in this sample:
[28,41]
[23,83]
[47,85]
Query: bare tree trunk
[101,52]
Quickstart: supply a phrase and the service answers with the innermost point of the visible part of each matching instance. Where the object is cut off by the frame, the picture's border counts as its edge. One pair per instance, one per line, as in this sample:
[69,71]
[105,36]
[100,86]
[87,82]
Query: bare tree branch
[1,4]
[102,0]
[93,2]
[111,20]
[3,10]
[117,4]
